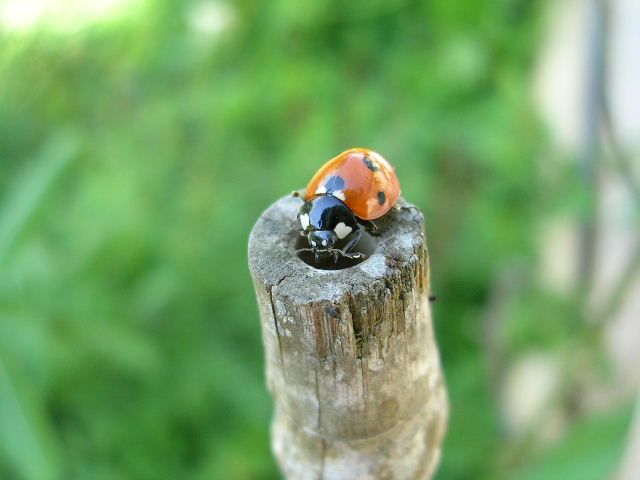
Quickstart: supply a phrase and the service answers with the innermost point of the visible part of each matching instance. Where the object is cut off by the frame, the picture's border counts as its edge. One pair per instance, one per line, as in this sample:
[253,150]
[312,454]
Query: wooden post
[351,358]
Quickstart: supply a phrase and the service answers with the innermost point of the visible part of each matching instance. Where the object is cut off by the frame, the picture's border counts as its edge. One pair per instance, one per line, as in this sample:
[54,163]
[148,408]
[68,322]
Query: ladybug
[344,196]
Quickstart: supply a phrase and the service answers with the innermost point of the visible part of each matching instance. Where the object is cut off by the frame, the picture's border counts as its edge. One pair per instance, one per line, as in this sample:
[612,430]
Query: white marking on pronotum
[324,243]
[339,194]
[321,190]
[342,230]
[313,243]
[304,220]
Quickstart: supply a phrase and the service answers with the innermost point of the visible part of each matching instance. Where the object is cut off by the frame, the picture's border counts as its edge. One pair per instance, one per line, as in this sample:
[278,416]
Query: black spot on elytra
[369,163]
[381,198]
[334,184]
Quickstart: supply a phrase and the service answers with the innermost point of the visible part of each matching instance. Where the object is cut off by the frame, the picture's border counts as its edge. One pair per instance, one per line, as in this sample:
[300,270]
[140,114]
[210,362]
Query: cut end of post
[351,356]
[275,239]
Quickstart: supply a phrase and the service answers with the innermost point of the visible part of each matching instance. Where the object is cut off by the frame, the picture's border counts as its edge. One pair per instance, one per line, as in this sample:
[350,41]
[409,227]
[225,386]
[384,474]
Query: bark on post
[351,359]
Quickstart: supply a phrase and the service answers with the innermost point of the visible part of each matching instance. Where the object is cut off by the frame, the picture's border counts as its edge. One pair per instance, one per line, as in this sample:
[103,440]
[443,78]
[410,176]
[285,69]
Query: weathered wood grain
[351,358]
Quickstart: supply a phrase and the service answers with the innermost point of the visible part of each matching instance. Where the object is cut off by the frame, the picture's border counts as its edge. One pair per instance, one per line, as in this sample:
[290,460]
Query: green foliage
[135,156]
[25,431]
[591,450]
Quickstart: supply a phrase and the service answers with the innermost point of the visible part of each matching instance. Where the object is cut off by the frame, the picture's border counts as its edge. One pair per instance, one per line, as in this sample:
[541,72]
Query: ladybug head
[322,239]
[329,226]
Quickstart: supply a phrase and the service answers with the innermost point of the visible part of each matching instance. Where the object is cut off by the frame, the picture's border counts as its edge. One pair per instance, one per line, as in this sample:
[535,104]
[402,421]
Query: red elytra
[363,179]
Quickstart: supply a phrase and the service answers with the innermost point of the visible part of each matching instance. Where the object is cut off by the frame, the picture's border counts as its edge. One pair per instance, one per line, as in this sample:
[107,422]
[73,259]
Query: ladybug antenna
[297,194]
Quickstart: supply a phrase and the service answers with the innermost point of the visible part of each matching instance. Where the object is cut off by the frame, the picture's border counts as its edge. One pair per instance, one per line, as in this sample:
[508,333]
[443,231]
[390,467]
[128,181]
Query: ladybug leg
[336,255]
[346,252]
[369,226]
[354,255]
[354,240]
[399,207]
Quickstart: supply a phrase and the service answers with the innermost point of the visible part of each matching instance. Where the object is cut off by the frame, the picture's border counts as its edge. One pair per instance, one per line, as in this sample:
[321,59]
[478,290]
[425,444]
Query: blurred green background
[139,145]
